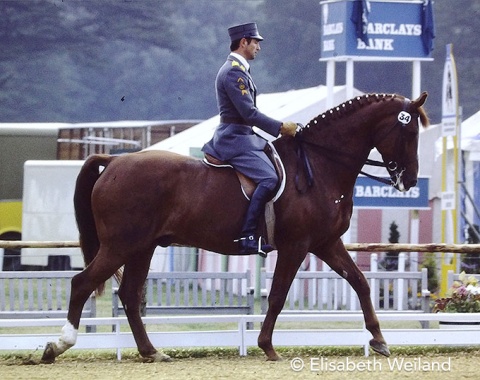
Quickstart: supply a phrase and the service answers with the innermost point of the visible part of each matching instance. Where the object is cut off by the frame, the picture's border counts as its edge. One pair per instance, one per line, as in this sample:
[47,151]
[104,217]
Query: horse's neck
[343,144]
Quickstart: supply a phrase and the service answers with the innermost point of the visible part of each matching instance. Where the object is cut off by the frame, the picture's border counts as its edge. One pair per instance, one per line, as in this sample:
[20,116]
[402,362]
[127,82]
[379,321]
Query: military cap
[244,31]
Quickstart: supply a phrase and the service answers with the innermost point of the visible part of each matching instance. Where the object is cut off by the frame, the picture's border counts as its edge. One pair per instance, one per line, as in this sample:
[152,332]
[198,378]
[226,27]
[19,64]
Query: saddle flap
[247,184]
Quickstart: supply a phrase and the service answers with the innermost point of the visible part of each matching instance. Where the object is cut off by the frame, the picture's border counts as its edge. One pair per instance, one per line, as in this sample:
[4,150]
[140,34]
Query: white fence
[242,338]
[317,291]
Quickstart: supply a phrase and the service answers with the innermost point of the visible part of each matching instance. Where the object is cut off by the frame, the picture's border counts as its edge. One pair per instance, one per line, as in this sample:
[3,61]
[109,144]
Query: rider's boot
[249,243]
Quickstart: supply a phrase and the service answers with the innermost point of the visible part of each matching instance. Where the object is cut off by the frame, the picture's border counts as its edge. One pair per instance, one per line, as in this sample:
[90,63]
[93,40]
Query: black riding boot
[249,243]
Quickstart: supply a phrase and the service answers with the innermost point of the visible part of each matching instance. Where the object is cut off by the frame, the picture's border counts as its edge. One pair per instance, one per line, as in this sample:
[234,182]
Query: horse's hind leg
[341,262]
[83,285]
[130,293]
[286,268]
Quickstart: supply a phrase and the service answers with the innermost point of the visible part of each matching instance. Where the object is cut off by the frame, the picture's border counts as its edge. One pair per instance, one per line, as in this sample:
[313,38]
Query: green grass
[23,357]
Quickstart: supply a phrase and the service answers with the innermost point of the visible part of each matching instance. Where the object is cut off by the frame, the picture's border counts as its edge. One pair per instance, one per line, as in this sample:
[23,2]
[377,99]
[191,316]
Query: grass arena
[298,363]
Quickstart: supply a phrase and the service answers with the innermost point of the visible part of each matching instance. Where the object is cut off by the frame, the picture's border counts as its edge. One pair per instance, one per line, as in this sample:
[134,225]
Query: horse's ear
[421,100]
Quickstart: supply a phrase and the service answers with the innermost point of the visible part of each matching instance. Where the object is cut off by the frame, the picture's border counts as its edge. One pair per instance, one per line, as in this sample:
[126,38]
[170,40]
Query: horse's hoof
[276,358]
[48,356]
[380,348]
[160,357]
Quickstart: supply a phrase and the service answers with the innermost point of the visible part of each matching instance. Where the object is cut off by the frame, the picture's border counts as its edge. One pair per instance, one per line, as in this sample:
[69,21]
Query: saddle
[248,186]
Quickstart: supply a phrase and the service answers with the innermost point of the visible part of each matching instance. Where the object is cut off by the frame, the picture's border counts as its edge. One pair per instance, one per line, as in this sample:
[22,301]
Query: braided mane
[356,103]
[348,107]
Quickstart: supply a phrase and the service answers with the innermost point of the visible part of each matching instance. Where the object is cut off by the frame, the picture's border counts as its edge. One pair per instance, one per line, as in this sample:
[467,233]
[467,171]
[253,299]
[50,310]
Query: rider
[234,140]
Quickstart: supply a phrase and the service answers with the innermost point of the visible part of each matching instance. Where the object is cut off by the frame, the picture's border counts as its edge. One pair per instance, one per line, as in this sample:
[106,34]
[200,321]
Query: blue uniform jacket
[236,94]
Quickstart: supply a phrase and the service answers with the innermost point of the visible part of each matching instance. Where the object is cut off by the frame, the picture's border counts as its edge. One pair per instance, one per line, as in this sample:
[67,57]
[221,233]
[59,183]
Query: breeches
[257,166]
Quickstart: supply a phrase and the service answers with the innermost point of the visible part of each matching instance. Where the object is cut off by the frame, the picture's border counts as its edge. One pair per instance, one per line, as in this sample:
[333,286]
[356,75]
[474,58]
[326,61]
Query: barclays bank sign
[369,193]
[370,29]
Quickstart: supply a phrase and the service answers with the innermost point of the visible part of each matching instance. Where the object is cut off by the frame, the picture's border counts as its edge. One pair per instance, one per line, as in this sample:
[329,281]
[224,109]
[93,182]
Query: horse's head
[398,140]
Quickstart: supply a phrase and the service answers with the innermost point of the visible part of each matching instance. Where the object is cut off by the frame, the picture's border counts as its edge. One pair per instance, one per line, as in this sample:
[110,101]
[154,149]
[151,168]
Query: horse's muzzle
[404,185]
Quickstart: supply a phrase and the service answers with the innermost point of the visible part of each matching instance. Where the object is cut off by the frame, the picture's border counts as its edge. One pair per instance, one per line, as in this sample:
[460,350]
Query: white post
[325,288]
[374,296]
[349,79]
[416,79]
[401,281]
[312,286]
[330,83]
[414,233]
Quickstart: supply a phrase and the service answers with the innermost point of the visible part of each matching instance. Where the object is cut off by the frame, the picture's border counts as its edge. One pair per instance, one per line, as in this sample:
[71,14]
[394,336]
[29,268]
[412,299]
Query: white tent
[471,136]
[470,144]
[296,105]
[431,152]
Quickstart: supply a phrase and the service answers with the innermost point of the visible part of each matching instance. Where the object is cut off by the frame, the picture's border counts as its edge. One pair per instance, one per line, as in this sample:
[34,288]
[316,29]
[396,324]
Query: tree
[74,60]
[390,261]
[471,262]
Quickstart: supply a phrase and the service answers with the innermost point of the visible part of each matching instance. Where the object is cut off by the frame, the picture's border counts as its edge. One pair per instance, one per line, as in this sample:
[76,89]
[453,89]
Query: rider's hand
[288,128]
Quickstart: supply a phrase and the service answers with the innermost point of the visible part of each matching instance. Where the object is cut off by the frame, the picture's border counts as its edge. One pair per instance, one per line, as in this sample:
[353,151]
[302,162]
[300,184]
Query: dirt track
[445,366]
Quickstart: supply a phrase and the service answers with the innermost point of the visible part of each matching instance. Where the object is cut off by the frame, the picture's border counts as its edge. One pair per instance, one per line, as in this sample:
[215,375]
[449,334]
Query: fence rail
[360,247]
[17,244]
[242,338]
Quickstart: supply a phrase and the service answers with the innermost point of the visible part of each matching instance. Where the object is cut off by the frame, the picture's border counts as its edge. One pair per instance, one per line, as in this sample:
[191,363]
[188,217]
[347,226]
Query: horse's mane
[356,103]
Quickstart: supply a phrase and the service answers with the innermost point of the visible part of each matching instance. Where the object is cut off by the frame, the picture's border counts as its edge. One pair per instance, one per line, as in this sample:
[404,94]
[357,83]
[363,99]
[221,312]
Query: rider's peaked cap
[244,31]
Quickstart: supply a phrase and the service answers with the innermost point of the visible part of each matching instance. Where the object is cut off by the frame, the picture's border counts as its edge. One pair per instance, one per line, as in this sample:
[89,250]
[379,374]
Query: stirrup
[261,249]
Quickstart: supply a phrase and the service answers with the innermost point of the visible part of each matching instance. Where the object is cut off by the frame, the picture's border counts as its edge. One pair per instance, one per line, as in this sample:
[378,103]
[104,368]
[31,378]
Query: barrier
[360,247]
[18,244]
[193,293]
[39,294]
[242,338]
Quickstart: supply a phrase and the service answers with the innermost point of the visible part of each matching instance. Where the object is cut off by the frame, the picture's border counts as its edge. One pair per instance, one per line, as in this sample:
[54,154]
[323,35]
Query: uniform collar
[242,60]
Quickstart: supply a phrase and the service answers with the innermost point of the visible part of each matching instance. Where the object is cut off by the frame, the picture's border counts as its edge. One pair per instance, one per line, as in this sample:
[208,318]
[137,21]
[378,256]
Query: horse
[126,206]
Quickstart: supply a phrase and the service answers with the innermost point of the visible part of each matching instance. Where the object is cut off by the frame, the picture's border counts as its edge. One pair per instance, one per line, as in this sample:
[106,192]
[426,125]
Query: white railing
[242,338]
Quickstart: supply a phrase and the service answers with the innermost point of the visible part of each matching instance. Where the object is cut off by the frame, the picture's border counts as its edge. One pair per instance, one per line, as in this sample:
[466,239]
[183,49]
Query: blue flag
[428,26]
[360,12]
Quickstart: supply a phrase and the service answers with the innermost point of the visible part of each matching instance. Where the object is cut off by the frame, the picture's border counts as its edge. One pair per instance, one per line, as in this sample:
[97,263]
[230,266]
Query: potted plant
[462,297]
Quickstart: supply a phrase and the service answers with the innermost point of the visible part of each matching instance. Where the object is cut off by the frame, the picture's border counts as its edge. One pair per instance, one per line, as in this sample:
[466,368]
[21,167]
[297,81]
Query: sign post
[450,165]
[374,30]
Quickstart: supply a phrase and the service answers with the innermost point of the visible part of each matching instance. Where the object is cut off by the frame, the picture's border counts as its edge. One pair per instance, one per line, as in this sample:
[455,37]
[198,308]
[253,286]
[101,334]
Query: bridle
[394,169]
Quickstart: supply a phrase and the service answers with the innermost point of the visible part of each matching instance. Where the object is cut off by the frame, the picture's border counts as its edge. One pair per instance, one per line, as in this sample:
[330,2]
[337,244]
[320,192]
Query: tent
[296,105]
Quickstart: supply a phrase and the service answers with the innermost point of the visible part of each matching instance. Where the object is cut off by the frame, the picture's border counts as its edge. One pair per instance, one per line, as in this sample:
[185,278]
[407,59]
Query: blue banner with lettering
[374,29]
[369,193]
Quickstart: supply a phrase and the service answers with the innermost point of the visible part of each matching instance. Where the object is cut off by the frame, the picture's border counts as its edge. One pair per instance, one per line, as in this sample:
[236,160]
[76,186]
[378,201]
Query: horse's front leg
[341,262]
[285,271]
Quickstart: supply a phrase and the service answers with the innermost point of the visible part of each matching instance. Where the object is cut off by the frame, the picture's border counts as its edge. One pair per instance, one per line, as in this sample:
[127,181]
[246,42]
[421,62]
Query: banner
[365,29]
[369,193]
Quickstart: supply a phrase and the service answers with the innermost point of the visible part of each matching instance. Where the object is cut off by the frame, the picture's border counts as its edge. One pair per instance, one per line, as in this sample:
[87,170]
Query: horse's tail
[82,201]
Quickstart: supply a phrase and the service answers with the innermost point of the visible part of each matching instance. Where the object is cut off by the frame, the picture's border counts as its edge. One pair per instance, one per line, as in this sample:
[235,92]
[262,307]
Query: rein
[302,158]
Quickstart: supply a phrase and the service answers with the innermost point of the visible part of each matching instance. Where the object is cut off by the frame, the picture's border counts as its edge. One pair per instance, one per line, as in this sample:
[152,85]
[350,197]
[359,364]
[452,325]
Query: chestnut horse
[145,199]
